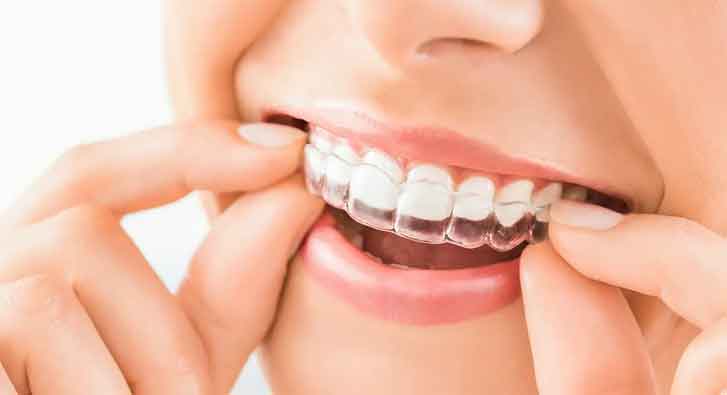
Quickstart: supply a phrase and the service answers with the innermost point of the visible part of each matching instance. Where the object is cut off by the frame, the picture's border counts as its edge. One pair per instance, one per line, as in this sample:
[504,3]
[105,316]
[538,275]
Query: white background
[76,71]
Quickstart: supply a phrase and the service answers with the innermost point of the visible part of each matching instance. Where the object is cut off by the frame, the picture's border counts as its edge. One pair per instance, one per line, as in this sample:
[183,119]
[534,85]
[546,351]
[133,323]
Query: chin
[323,344]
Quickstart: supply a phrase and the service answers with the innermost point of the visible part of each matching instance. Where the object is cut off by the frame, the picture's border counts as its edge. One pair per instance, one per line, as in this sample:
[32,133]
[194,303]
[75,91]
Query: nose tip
[513,25]
[505,25]
[403,28]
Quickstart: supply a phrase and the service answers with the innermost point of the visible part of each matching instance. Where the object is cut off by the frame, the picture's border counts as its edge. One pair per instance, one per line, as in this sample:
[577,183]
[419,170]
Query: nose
[401,29]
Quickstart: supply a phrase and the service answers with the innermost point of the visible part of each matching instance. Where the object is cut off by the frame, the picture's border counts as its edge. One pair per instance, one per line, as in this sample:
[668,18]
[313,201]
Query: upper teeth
[423,203]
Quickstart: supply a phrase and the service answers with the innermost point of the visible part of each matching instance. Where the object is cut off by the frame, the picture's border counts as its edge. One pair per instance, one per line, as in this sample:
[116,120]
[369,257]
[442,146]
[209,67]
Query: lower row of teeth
[424,205]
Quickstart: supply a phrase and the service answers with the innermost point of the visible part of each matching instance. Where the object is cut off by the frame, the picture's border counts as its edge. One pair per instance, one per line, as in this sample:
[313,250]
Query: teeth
[544,198]
[372,197]
[425,204]
[386,164]
[425,201]
[513,225]
[338,176]
[321,139]
[509,214]
[423,212]
[513,201]
[519,191]
[548,195]
[346,153]
[315,165]
[475,198]
[577,193]
[472,213]
[374,257]
[430,174]
[357,240]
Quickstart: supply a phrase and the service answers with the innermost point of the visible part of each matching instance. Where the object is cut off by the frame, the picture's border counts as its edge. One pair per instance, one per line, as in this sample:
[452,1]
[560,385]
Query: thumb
[234,281]
[583,336]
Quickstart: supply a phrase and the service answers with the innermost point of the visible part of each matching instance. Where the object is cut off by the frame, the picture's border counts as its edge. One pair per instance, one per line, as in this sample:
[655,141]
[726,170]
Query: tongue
[393,249]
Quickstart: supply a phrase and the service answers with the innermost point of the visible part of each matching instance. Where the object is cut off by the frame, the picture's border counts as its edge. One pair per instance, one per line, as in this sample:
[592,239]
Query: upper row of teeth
[422,201]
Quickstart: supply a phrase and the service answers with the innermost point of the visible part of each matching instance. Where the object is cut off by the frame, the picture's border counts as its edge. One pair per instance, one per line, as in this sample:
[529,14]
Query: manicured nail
[270,136]
[584,215]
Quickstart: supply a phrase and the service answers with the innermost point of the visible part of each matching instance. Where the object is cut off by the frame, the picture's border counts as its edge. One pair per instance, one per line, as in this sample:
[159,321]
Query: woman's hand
[82,312]
[584,337]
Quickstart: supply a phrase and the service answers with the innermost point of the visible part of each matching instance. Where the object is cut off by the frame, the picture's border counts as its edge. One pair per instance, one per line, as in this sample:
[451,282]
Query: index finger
[158,166]
[675,259]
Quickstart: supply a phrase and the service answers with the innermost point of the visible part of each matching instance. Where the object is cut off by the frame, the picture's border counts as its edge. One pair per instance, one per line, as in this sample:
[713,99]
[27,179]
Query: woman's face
[609,95]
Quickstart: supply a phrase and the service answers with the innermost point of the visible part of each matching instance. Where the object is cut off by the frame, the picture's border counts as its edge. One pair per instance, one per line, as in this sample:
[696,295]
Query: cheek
[671,84]
[693,166]
[319,342]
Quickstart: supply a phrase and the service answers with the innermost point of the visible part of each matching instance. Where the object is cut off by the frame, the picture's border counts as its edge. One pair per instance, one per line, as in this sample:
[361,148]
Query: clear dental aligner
[423,203]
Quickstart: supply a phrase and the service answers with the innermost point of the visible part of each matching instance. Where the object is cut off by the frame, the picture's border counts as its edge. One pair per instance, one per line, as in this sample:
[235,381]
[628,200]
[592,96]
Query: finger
[584,339]
[6,386]
[703,367]
[158,166]
[234,280]
[50,343]
[672,258]
[142,324]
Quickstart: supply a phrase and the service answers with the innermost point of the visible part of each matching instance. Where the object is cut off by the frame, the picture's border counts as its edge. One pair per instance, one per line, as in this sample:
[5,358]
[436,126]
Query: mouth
[423,232]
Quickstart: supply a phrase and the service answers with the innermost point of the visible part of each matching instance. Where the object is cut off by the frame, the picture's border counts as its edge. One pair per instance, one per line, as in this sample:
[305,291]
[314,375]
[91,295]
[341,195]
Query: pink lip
[429,144]
[419,297]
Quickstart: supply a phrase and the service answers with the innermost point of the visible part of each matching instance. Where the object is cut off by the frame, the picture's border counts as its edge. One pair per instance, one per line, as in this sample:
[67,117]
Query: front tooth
[430,174]
[385,163]
[338,176]
[512,202]
[339,166]
[513,226]
[575,192]
[344,151]
[423,211]
[315,165]
[508,214]
[372,197]
[472,211]
[518,191]
[474,198]
[321,139]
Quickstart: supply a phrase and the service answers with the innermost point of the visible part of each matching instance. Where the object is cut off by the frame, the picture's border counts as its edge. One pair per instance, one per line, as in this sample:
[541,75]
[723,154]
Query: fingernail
[583,215]
[270,136]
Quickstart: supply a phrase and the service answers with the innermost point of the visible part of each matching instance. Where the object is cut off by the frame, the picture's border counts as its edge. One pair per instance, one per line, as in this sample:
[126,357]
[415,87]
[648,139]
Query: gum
[458,174]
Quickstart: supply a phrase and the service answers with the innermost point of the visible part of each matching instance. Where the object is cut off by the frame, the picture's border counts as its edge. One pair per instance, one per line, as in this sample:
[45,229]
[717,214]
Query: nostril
[447,46]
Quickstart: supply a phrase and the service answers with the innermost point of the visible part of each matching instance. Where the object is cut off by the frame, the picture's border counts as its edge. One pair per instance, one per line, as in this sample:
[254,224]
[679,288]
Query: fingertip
[584,215]
[228,157]
[268,135]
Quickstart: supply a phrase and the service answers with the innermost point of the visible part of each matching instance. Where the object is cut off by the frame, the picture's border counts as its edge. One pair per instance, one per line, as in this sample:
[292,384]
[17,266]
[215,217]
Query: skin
[629,93]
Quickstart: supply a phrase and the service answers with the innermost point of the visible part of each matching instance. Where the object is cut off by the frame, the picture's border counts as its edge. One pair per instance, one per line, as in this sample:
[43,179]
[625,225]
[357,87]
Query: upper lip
[436,145]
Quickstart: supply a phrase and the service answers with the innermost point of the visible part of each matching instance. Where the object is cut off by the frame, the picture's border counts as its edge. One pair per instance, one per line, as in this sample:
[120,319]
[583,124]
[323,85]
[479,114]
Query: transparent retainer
[334,185]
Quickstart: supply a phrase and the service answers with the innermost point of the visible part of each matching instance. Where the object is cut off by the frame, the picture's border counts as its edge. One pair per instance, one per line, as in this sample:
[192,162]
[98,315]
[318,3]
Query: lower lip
[416,297]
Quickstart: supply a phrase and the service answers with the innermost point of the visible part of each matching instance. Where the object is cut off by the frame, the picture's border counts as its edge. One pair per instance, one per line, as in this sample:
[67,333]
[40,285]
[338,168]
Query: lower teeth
[396,252]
